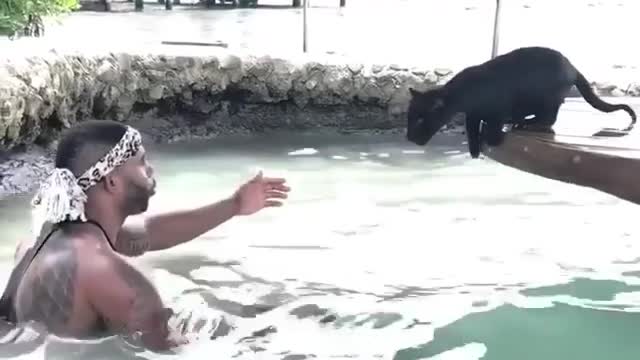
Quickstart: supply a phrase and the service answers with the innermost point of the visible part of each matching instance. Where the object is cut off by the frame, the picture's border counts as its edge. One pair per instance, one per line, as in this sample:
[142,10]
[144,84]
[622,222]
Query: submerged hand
[260,192]
[176,340]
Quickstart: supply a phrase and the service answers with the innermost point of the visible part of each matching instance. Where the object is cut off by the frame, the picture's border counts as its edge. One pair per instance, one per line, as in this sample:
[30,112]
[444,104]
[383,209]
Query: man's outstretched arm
[165,230]
[169,229]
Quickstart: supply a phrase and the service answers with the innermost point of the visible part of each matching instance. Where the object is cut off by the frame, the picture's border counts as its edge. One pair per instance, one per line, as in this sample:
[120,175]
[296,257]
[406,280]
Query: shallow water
[387,251]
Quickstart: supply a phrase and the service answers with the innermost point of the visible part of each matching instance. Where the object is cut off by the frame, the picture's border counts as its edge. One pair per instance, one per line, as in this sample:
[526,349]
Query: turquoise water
[386,251]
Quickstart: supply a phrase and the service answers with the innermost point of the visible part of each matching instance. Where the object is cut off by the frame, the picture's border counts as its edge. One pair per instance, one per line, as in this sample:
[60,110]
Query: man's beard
[137,200]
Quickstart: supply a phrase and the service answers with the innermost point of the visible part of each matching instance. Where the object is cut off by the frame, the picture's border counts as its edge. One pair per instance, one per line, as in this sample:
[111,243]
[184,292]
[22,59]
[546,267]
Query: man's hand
[258,193]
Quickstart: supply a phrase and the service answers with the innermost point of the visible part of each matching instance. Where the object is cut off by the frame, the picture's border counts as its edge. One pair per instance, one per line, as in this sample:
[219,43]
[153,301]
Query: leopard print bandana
[62,196]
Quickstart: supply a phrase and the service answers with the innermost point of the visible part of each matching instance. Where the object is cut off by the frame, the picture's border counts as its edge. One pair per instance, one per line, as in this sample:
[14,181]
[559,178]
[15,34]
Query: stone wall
[173,97]
[168,95]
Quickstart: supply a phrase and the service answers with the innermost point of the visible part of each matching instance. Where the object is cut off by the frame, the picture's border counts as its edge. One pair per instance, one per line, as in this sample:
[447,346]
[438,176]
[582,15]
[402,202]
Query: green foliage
[23,16]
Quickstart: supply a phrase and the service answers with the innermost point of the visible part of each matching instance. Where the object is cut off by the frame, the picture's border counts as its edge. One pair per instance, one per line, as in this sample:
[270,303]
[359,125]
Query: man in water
[73,279]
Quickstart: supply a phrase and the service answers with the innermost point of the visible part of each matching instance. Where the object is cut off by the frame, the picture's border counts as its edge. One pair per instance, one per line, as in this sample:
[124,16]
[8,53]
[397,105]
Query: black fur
[505,90]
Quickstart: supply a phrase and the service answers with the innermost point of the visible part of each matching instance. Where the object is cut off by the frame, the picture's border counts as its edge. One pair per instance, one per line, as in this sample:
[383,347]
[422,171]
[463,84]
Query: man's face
[139,184]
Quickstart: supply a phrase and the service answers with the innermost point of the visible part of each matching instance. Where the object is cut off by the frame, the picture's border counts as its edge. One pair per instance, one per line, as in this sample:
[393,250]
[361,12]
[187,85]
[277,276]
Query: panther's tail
[590,96]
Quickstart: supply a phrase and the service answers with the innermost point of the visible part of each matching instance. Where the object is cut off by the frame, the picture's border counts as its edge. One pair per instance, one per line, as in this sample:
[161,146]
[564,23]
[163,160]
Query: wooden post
[168,4]
[304,26]
[139,5]
[107,5]
[296,3]
[343,3]
[496,30]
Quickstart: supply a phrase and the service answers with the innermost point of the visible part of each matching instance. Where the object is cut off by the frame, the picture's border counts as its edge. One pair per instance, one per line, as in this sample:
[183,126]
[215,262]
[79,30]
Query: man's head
[99,159]
[129,185]
[426,115]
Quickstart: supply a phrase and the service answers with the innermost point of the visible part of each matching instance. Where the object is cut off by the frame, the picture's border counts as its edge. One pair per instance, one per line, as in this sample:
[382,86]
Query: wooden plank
[604,164]
[624,145]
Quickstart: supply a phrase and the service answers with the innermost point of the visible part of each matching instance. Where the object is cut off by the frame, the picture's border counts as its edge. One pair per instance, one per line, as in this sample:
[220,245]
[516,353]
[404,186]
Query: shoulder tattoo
[48,294]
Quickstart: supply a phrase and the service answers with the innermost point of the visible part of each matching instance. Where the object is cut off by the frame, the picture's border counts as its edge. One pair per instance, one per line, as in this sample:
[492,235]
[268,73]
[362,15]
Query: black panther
[524,87]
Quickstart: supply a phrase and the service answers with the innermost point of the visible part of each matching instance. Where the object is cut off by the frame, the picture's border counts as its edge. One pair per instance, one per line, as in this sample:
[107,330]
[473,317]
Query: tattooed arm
[162,231]
[166,230]
[127,302]
[133,239]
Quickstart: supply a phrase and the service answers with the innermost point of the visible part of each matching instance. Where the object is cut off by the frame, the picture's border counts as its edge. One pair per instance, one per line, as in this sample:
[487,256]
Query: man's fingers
[272,203]
[274,181]
[276,186]
[276,194]
[284,188]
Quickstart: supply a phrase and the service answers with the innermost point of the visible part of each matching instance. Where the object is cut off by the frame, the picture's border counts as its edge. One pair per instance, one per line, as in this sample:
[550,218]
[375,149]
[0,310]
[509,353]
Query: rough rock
[21,171]
[41,95]
[177,97]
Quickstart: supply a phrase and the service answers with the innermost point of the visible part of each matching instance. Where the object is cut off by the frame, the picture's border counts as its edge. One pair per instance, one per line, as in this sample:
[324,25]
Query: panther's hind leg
[544,119]
[492,133]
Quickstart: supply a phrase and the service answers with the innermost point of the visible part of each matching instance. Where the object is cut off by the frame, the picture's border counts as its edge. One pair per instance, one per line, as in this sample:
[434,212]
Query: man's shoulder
[93,256]
[107,276]
[97,262]
[103,266]
[71,234]
[56,246]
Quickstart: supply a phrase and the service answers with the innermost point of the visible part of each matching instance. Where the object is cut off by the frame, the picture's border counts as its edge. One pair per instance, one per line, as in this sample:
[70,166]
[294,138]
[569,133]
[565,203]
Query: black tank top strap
[53,229]
[103,231]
